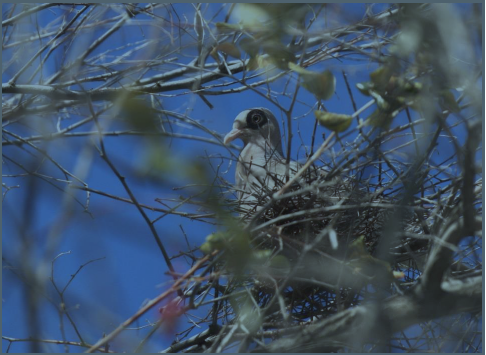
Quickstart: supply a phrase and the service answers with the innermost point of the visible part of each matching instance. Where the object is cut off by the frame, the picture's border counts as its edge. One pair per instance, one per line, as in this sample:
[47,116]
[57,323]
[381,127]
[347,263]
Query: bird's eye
[257,118]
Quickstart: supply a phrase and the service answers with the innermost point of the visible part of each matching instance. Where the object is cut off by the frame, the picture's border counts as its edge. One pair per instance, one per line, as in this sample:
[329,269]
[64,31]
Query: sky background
[132,271]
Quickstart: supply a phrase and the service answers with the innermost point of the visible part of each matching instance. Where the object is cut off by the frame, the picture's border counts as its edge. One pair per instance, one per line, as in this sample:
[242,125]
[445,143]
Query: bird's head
[253,124]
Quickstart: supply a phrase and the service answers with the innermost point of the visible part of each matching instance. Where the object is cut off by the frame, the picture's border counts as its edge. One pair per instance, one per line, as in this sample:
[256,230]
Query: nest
[320,218]
[308,208]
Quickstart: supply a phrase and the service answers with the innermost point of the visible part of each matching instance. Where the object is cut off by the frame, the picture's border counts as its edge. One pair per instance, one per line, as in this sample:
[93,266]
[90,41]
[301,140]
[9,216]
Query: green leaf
[260,61]
[279,266]
[322,85]
[279,54]
[298,69]
[158,161]
[214,54]
[252,63]
[358,248]
[196,171]
[380,77]
[262,255]
[380,118]
[281,263]
[214,241]
[448,101]
[206,248]
[365,88]
[139,115]
[248,315]
[363,262]
[251,16]
[380,101]
[334,121]
[250,46]
[224,27]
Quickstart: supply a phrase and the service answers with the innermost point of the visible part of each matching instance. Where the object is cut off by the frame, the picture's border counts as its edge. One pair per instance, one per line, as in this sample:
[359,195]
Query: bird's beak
[231,136]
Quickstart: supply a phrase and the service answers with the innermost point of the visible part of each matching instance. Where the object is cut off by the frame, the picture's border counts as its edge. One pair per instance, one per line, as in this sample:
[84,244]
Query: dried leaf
[230,49]
[214,54]
[398,274]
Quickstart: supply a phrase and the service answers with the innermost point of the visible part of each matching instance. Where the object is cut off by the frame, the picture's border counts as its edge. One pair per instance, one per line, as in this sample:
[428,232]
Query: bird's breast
[260,168]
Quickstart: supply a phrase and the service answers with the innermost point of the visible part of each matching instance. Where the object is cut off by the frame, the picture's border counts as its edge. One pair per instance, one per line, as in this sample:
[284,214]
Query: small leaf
[250,15]
[261,62]
[419,103]
[448,101]
[380,77]
[250,46]
[380,118]
[252,63]
[213,242]
[365,88]
[298,69]
[206,248]
[412,88]
[249,316]
[417,86]
[139,115]
[196,171]
[322,85]
[280,265]
[363,262]
[159,162]
[398,274]
[334,121]
[279,54]
[401,100]
[262,255]
[380,101]
[214,54]
[358,248]
[224,27]
[230,49]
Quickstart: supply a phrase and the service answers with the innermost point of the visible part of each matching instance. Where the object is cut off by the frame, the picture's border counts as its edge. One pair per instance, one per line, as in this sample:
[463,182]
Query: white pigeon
[261,166]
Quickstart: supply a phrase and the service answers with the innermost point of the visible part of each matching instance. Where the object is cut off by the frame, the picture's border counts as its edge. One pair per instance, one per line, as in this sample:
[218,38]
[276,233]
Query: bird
[261,166]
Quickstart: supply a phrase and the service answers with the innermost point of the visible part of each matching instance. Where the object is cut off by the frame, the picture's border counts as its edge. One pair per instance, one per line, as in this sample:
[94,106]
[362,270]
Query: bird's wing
[261,177]
[258,175]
